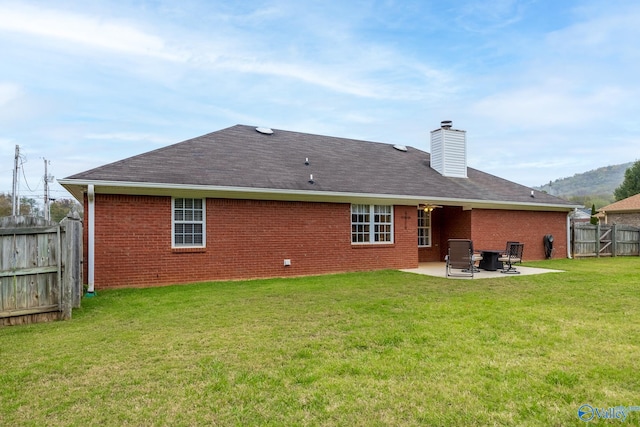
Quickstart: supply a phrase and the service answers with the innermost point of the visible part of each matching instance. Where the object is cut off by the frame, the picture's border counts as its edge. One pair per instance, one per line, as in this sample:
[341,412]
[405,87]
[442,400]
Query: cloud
[345,66]
[481,17]
[130,137]
[600,33]
[550,105]
[343,81]
[112,35]
[577,76]
[16,107]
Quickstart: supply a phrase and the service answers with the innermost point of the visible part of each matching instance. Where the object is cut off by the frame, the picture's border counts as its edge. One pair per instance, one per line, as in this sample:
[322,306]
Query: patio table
[489,260]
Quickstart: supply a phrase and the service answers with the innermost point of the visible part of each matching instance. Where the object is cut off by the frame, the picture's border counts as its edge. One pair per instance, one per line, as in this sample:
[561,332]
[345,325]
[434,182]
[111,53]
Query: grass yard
[362,349]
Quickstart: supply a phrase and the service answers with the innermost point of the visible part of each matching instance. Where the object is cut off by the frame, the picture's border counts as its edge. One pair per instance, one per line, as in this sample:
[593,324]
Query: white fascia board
[77,188]
[497,204]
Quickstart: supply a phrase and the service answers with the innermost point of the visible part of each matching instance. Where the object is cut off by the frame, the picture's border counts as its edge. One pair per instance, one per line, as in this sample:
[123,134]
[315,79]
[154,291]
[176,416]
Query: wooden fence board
[42,309]
[590,240]
[26,230]
[6,293]
[40,269]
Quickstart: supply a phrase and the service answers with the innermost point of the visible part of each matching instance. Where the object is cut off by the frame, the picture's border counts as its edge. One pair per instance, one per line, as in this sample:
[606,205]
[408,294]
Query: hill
[599,182]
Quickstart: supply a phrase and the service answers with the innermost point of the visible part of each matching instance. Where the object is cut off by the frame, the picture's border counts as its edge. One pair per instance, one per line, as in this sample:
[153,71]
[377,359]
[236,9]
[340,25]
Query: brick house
[625,211]
[246,202]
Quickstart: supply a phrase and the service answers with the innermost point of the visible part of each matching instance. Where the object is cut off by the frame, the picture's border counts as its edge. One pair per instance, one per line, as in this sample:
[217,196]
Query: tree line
[631,184]
[58,209]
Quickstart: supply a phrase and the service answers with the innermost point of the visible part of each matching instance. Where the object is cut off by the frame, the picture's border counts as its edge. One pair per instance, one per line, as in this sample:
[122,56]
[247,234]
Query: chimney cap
[446,124]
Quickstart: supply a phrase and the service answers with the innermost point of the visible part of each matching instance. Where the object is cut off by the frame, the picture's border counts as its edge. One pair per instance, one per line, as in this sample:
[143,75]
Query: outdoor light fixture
[429,208]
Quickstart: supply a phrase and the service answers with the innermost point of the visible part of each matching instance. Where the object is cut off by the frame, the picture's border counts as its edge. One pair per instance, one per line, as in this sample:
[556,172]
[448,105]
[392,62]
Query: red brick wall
[245,239]
[448,222]
[491,229]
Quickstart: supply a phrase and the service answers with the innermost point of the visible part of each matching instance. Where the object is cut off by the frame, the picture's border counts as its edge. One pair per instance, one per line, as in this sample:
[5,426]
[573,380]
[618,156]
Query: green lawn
[362,349]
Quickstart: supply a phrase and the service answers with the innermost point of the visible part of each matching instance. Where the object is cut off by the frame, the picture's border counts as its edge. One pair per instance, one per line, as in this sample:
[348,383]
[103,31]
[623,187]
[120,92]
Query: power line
[23,161]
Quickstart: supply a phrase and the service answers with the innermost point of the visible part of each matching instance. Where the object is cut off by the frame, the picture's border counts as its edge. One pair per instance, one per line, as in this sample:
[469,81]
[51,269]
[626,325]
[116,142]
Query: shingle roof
[239,156]
[629,204]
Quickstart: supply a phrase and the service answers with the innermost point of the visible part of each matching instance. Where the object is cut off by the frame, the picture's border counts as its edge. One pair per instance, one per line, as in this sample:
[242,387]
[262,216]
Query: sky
[544,88]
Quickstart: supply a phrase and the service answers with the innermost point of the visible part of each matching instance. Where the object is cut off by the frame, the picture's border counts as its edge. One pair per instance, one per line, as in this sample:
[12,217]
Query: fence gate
[40,269]
[599,240]
[605,241]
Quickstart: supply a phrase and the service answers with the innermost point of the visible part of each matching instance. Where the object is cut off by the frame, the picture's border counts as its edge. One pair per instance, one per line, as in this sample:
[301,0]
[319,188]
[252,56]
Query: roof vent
[446,124]
[266,131]
[400,147]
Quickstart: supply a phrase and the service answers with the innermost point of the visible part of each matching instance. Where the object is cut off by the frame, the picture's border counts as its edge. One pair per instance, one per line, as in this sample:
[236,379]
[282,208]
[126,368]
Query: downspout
[91,225]
[569,233]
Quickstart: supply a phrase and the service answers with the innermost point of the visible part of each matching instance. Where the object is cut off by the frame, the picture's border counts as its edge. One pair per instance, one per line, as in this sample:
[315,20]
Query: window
[424,228]
[188,223]
[371,224]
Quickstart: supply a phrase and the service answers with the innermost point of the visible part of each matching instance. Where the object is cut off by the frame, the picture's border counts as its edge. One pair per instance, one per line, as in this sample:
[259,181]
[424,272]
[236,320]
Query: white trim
[569,235]
[428,228]
[204,224]
[75,187]
[91,232]
[372,225]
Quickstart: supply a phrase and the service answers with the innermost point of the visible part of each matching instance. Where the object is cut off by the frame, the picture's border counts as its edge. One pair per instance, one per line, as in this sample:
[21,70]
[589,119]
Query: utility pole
[15,205]
[47,215]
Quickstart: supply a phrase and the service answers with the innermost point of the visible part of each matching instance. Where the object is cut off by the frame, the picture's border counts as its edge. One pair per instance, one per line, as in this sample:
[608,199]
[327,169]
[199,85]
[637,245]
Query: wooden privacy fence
[588,240]
[40,269]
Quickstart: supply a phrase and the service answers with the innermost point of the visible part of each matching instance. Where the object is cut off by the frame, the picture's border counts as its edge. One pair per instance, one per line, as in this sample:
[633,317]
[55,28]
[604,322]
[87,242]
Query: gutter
[569,233]
[165,189]
[91,225]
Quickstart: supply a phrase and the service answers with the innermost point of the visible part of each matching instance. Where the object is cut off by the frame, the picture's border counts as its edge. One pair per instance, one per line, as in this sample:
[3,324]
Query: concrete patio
[438,269]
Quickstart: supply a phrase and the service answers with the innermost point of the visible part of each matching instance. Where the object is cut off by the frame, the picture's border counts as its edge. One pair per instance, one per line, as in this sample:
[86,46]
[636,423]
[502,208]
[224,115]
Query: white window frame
[371,222]
[424,231]
[194,220]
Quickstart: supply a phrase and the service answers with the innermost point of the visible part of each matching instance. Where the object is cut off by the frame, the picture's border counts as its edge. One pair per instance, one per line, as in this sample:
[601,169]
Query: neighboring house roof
[240,162]
[630,204]
[581,214]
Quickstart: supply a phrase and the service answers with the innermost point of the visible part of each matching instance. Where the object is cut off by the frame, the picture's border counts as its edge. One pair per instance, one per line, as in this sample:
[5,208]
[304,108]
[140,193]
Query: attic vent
[266,131]
[400,147]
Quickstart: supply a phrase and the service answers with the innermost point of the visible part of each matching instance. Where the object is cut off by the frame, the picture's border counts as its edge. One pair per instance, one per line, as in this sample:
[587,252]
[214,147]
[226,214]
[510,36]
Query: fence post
[598,239]
[614,248]
[72,244]
[63,285]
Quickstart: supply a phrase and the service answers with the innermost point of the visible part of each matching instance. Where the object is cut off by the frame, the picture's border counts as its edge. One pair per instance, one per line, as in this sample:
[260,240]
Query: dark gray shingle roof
[239,156]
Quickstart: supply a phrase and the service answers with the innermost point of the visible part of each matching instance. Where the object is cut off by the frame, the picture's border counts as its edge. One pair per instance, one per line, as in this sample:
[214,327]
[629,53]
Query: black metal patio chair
[512,256]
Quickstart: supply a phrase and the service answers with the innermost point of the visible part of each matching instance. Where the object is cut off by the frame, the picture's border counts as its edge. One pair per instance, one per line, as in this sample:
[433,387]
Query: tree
[60,208]
[594,218]
[6,205]
[599,200]
[28,206]
[631,184]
